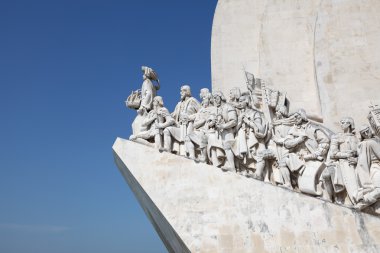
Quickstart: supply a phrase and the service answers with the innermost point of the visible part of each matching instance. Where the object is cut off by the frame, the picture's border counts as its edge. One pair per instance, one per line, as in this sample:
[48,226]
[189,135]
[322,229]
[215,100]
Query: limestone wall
[324,54]
[199,208]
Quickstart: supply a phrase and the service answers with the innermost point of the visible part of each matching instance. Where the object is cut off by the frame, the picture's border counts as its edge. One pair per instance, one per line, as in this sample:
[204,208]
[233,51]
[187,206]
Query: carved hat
[363,128]
[149,73]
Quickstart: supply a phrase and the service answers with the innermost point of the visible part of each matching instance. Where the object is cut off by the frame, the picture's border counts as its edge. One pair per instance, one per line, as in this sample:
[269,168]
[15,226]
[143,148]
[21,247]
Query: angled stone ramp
[198,208]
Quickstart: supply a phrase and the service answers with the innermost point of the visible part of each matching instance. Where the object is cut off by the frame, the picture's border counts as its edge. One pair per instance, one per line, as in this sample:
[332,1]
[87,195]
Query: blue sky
[66,68]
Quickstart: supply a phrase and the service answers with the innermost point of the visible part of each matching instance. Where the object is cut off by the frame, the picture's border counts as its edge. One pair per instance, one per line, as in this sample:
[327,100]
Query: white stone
[324,54]
[198,208]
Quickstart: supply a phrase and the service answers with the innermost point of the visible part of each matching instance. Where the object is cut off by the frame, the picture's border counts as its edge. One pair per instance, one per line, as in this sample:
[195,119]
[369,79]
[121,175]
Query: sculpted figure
[184,115]
[155,121]
[252,137]
[198,138]
[368,168]
[339,178]
[305,142]
[226,121]
[148,89]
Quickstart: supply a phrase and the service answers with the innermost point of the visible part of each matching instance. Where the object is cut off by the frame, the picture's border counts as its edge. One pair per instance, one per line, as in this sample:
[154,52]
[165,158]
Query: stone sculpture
[201,128]
[254,135]
[368,168]
[226,120]
[156,120]
[184,116]
[339,178]
[148,89]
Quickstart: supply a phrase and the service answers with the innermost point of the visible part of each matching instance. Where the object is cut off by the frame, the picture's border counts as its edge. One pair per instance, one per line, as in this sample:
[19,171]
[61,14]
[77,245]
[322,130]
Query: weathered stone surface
[324,54]
[197,207]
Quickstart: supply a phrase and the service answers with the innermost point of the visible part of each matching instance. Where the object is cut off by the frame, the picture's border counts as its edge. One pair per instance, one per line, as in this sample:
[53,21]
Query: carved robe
[148,92]
[344,176]
[368,167]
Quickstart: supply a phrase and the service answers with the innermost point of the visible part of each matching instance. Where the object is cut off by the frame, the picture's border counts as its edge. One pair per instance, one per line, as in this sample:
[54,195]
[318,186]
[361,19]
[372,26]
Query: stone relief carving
[254,134]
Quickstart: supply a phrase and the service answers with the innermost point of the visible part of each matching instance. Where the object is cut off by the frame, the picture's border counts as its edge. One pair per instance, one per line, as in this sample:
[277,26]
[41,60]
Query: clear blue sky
[66,68]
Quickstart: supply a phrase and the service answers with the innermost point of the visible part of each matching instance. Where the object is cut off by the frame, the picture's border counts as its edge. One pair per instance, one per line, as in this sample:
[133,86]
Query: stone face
[324,54]
[198,208]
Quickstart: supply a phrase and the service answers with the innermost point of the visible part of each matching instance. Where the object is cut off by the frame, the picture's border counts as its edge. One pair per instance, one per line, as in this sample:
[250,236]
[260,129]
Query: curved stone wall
[324,54]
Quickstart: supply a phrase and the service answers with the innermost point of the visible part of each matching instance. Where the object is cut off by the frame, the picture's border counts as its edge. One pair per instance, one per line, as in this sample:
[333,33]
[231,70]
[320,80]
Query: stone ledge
[196,207]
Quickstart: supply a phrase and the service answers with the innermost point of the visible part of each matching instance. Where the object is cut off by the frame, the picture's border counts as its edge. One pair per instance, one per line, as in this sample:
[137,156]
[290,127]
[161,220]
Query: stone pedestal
[198,208]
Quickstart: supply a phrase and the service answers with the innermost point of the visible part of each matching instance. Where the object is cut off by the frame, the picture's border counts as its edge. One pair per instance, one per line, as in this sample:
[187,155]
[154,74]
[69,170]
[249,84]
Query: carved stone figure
[257,141]
[368,168]
[339,178]
[184,115]
[226,120]
[148,89]
[155,122]
[251,138]
[254,135]
[198,138]
[308,145]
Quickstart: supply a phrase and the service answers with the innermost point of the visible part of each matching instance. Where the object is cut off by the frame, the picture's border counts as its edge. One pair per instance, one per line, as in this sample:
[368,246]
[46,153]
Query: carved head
[203,92]
[300,116]
[149,73]
[185,92]
[158,101]
[218,98]
[282,112]
[235,94]
[347,123]
[243,102]
[365,132]
[207,100]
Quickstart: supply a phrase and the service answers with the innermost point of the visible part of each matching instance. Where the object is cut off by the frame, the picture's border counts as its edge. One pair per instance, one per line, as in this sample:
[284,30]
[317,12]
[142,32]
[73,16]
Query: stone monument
[243,172]
[324,54]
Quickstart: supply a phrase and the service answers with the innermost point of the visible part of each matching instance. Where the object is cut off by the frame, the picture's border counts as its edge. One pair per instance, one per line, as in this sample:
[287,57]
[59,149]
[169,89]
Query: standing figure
[198,138]
[339,178]
[226,120]
[148,89]
[155,122]
[258,137]
[368,168]
[184,115]
[251,138]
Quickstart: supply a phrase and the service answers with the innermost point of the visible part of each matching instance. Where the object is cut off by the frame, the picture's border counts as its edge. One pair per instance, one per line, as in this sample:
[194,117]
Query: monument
[241,171]
[324,54]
